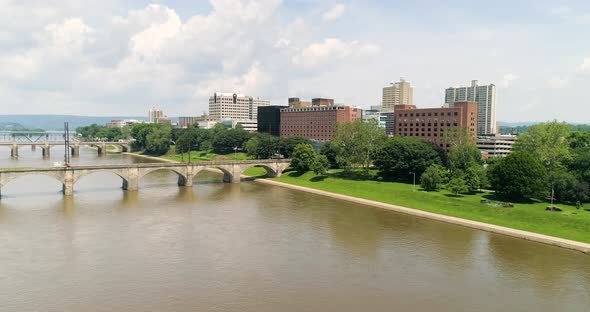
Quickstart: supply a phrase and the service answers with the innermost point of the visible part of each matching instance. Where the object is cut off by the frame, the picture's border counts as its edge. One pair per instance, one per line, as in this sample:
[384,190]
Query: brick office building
[316,122]
[430,124]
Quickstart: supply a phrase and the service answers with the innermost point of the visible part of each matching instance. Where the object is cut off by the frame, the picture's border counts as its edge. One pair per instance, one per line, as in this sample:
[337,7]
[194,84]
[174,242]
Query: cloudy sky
[119,57]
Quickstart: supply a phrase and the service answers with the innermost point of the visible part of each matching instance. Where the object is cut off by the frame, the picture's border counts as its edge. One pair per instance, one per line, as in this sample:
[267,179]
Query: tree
[251,147]
[158,140]
[518,176]
[331,153]
[567,187]
[476,178]
[356,143]
[184,144]
[303,158]
[433,178]
[457,185]
[206,146]
[580,164]
[547,142]
[286,145]
[401,155]
[463,156]
[579,139]
[321,164]
[226,140]
[457,136]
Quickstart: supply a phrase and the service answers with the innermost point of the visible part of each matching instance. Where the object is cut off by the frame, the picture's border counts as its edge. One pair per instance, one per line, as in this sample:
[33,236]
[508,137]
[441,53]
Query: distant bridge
[33,136]
[131,174]
[74,147]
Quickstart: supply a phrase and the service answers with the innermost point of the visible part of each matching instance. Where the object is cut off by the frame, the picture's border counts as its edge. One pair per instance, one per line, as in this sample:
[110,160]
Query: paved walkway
[540,238]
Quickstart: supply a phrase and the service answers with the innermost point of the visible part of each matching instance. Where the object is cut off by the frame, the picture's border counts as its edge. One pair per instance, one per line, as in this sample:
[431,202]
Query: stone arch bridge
[131,174]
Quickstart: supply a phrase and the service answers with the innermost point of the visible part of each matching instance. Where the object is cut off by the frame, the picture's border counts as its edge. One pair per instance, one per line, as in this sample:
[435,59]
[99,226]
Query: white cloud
[508,79]
[333,50]
[334,12]
[585,66]
[558,82]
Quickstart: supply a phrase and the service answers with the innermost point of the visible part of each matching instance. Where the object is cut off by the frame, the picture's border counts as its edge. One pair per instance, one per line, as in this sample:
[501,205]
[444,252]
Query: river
[250,247]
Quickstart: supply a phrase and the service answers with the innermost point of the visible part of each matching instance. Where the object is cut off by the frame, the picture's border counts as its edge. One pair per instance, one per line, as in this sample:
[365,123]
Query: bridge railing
[150,165]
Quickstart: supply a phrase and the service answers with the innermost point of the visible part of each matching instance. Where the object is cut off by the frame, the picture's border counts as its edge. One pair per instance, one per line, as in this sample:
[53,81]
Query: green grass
[197,156]
[255,172]
[570,224]
[15,169]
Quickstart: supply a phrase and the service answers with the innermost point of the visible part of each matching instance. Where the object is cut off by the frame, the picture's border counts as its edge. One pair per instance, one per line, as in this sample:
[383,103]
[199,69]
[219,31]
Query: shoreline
[530,236]
[525,235]
[150,157]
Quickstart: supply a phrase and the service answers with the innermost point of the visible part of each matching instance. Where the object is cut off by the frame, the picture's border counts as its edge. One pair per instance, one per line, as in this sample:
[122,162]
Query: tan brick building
[430,124]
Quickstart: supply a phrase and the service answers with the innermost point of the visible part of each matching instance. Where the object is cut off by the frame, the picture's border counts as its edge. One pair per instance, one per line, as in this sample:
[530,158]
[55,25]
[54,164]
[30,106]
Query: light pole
[414,185]
[235,151]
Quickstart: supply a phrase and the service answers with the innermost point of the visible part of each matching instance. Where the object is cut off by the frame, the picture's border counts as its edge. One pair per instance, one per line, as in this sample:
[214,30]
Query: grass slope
[570,224]
[197,156]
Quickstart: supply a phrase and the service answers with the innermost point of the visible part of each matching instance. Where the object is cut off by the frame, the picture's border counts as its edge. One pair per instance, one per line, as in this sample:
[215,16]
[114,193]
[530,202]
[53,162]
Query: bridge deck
[149,165]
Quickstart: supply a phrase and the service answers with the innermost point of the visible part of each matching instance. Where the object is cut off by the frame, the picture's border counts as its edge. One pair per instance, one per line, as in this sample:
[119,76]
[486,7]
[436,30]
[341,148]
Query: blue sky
[117,57]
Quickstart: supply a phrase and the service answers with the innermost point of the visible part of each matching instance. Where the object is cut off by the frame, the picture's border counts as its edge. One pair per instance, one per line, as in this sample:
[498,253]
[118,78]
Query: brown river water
[250,247]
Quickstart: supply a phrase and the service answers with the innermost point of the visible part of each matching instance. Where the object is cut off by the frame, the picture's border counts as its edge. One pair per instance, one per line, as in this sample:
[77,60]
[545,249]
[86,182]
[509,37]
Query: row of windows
[435,124]
[430,114]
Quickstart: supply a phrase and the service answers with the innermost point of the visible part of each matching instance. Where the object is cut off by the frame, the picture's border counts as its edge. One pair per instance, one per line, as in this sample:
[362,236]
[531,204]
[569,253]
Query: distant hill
[55,122]
[8,126]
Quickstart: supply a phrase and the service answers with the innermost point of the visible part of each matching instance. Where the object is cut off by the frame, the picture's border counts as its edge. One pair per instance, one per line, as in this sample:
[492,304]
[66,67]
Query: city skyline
[122,57]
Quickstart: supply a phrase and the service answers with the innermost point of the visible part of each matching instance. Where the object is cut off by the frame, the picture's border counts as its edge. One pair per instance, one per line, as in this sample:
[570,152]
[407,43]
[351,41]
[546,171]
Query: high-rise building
[484,96]
[232,106]
[269,119]
[398,93]
[430,124]
[154,114]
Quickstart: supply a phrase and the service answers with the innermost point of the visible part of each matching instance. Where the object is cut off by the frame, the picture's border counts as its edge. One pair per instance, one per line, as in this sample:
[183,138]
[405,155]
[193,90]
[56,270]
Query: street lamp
[414,185]
[235,151]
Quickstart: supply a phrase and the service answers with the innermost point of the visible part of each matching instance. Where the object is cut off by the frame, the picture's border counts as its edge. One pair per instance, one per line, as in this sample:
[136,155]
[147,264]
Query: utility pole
[66,144]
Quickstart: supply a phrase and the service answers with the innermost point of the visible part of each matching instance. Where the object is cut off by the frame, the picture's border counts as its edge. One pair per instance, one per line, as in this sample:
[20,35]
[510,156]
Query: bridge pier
[68,183]
[14,151]
[46,151]
[33,147]
[75,150]
[185,181]
[102,149]
[132,182]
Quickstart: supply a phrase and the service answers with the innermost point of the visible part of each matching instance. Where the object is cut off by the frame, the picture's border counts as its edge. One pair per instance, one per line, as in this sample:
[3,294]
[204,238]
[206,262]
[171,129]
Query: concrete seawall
[540,238]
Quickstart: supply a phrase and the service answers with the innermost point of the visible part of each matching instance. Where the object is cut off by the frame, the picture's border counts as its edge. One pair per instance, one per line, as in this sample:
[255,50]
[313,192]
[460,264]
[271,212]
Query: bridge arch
[7,177]
[79,174]
[183,178]
[271,170]
[227,173]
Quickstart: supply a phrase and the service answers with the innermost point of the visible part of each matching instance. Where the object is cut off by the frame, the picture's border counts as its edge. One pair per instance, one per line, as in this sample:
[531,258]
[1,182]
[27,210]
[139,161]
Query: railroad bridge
[74,147]
[131,174]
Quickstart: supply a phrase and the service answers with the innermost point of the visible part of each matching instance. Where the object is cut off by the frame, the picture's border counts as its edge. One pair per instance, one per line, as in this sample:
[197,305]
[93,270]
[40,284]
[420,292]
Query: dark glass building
[269,119]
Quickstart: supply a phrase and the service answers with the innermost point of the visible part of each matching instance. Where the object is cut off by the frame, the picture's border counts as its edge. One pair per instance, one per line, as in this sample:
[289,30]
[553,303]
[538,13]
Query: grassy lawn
[197,156]
[570,224]
[255,172]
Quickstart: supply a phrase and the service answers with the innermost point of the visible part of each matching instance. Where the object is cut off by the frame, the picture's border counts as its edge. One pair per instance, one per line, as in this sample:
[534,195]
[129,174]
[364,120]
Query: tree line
[550,159]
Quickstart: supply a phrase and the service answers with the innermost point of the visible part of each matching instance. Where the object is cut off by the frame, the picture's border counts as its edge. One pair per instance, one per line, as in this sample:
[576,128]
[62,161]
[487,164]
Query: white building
[398,93]
[232,106]
[485,96]
[374,114]
[154,114]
